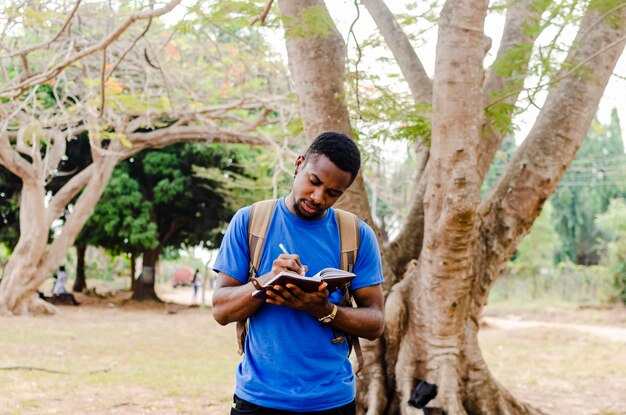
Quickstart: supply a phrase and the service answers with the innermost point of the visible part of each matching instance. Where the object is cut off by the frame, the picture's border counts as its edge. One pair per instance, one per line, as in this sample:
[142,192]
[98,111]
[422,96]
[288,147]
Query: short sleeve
[368,266]
[233,255]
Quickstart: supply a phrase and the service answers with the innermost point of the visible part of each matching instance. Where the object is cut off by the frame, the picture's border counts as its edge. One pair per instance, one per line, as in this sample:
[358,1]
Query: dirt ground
[110,356]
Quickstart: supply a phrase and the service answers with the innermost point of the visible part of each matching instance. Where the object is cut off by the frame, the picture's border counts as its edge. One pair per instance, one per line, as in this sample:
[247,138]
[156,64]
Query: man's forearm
[234,303]
[365,322]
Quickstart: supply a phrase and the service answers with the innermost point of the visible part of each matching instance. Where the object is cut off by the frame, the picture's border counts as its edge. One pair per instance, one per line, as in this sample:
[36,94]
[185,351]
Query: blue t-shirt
[289,362]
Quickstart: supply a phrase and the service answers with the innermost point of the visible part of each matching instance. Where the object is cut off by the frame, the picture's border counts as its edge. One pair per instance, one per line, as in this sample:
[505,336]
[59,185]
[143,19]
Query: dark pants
[241,407]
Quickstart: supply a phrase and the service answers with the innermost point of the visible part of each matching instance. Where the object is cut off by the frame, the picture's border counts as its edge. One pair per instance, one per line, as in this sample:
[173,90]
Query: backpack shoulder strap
[350,240]
[258,223]
[349,235]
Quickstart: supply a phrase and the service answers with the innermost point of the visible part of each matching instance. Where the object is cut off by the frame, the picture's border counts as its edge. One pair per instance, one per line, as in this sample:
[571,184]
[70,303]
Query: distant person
[59,283]
[196,282]
[59,294]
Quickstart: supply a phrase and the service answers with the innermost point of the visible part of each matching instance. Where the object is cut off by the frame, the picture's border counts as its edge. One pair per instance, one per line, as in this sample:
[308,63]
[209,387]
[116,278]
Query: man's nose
[318,195]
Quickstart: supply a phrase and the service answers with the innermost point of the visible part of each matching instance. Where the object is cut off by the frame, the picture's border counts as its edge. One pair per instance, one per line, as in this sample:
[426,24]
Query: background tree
[455,242]
[120,223]
[186,210]
[127,86]
[596,176]
[612,224]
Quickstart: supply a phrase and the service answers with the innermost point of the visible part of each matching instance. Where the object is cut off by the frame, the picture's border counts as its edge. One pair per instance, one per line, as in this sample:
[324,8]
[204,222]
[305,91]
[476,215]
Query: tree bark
[80,283]
[452,196]
[133,270]
[143,289]
[20,279]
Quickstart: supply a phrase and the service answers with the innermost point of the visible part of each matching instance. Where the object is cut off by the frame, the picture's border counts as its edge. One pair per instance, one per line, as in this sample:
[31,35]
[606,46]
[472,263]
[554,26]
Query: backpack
[258,223]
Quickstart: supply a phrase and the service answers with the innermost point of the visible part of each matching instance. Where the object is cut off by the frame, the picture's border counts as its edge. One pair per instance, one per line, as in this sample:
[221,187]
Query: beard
[303,214]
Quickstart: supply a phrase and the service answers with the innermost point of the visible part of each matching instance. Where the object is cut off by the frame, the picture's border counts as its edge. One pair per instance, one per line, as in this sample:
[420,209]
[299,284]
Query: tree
[120,223]
[595,177]
[612,224]
[111,82]
[455,244]
[185,209]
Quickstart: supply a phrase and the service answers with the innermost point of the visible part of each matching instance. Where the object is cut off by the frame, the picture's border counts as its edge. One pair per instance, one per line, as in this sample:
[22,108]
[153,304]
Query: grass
[159,362]
[150,360]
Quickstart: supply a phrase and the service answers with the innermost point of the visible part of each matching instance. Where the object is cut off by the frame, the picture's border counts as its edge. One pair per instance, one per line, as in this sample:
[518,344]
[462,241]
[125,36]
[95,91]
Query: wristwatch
[330,317]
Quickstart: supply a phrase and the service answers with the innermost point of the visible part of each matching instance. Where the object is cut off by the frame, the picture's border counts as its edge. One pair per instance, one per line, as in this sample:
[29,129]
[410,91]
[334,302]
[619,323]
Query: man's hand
[315,303]
[288,262]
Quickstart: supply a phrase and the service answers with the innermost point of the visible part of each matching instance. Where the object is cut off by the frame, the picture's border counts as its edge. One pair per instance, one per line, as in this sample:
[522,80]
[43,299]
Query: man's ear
[298,165]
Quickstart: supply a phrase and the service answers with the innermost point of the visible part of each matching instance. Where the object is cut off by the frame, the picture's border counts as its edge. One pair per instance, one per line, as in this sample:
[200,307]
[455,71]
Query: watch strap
[330,317]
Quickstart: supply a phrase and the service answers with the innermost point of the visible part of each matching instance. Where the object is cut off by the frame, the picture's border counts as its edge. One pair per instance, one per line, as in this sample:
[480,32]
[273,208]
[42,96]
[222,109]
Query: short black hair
[339,148]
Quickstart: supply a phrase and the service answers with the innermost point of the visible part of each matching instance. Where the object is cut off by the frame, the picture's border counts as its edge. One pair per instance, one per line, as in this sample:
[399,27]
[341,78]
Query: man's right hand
[288,262]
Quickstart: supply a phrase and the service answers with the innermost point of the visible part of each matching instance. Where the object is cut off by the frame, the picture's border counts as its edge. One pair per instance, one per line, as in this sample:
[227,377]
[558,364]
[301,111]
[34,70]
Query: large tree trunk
[432,313]
[20,281]
[143,288]
[443,277]
[80,283]
[317,65]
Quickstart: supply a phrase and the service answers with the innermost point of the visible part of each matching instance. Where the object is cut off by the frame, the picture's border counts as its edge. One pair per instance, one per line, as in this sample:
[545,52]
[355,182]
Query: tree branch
[13,90]
[419,83]
[533,174]
[408,244]
[131,47]
[175,134]
[519,17]
[64,196]
[261,18]
[12,160]
[24,52]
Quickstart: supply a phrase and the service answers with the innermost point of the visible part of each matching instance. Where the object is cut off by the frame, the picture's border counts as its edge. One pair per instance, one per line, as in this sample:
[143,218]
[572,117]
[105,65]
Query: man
[290,364]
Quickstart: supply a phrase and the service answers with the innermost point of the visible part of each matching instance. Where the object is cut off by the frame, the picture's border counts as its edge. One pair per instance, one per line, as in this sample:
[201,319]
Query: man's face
[317,186]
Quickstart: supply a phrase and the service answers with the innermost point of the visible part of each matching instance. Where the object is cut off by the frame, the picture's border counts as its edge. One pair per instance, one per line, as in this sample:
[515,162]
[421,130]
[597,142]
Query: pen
[302,268]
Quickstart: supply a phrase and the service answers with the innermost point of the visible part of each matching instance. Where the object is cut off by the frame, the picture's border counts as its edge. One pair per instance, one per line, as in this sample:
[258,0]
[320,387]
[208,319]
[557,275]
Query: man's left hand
[315,303]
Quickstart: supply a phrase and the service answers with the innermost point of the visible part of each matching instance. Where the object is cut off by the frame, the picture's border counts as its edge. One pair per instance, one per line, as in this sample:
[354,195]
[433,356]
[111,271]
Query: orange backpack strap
[258,223]
[349,235]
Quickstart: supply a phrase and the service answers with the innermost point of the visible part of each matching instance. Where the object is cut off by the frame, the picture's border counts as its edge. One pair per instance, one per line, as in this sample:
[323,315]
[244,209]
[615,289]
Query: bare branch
[171,135]
[420,84]
[24,52]
[131,47]
[12,160]
[519,16]
[261,18]
[103,82]
[13,90]
[64,196]
[617,42]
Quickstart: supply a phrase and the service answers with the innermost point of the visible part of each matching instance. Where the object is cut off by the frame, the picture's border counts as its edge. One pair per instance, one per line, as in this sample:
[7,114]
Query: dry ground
[118,358]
